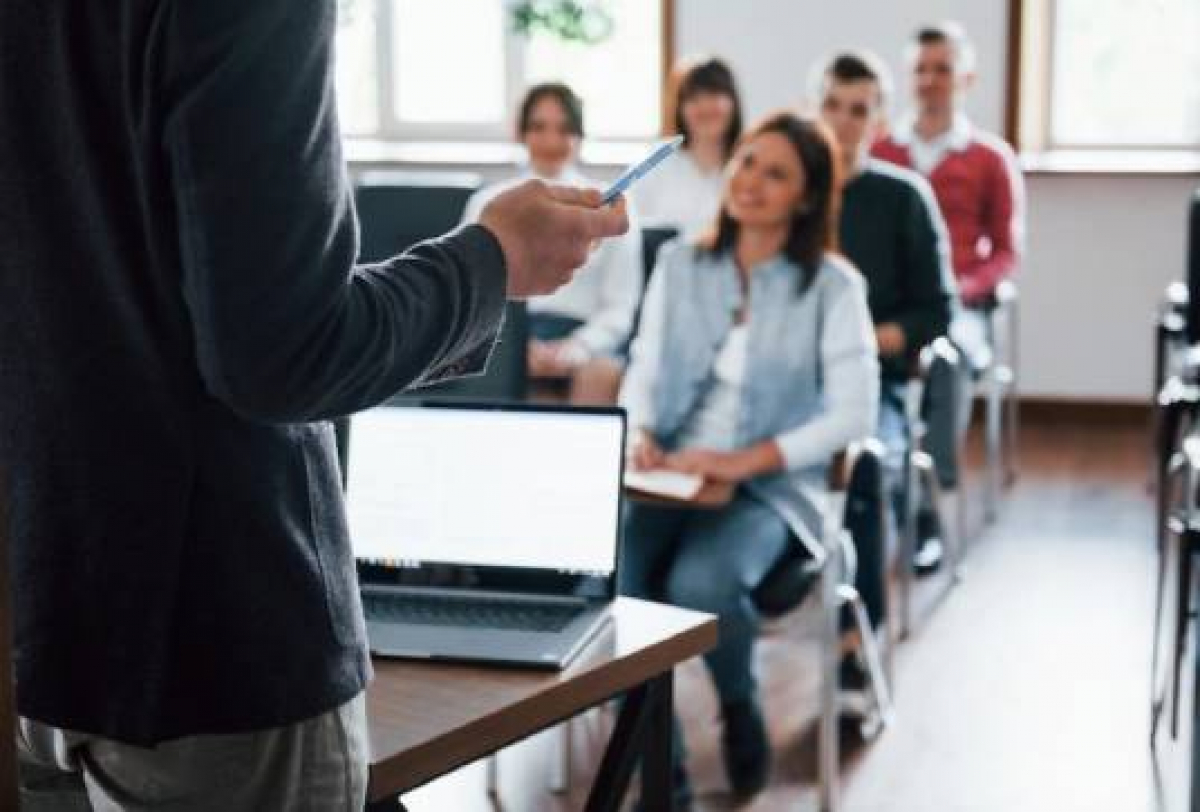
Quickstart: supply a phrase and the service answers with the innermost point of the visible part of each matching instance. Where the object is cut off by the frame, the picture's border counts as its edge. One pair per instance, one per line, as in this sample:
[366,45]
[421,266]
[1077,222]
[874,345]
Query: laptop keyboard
[477,613]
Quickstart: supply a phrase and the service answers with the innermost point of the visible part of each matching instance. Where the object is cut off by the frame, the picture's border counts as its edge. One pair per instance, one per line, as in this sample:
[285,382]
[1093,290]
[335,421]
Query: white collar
[957,138]
[570,175]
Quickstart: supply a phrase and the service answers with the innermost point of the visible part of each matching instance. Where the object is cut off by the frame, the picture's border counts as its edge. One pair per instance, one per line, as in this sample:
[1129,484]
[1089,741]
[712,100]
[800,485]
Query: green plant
[584,21]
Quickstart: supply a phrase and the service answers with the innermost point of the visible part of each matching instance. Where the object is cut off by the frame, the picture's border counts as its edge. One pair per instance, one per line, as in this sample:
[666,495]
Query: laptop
[485,532]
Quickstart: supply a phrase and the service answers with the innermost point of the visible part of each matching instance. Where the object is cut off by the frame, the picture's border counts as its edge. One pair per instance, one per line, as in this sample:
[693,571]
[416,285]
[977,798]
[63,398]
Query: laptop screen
[443,487]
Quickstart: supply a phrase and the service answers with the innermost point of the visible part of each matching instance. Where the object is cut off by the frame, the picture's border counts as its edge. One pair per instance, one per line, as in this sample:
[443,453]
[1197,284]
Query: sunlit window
[455,69]
[448,62]
[358,94]
[1115,74]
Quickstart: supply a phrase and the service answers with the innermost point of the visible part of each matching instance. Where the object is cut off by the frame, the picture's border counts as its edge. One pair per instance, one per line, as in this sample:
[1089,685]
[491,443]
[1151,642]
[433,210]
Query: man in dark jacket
[178,304]
[892,230]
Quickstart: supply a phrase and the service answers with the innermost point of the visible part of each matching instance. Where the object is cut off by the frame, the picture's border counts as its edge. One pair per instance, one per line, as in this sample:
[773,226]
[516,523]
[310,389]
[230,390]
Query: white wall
[773,44]
[1101,248]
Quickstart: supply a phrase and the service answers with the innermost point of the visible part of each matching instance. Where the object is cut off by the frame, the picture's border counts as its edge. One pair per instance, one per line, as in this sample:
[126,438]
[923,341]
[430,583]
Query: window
[455,69]
[1109,75]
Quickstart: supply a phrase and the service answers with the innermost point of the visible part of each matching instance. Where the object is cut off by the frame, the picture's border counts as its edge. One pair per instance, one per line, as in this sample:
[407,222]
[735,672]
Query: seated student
[685,192]
[892,231]
[755,362]
[591,317]
[973,173]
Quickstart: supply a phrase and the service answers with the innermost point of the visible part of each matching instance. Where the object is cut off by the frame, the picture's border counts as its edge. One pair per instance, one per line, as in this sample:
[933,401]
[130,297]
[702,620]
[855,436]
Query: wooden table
[428,719]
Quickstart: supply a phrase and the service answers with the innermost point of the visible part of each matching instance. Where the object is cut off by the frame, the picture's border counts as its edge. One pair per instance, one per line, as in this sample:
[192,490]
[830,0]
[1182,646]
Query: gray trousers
[319,764]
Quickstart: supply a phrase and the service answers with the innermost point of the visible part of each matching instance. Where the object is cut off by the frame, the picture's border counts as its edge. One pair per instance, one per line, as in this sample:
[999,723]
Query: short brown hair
[709,75]
[952,33]
[859,66]
[568,100]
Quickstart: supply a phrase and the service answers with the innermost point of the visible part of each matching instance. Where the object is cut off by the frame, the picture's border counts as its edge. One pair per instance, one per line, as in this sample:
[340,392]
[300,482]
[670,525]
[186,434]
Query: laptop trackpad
[548,649]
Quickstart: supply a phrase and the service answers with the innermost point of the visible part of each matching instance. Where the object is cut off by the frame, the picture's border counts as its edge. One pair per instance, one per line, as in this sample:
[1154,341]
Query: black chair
[858,520]
[1170,346]
[652,240]
[1192,307]
[397,210]
[1177,423]
[1179,536]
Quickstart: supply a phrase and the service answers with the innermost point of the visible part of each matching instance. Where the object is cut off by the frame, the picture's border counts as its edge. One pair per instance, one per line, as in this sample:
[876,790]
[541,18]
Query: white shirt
[680,194]
[927,154]
[714,424]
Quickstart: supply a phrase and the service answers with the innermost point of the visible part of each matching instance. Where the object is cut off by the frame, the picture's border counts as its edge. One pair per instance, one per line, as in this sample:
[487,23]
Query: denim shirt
[811,381]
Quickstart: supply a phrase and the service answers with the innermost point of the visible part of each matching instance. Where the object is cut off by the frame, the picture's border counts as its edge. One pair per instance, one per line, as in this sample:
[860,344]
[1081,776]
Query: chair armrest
[940,349]
[1189,366]
[1006,294]
[842,465]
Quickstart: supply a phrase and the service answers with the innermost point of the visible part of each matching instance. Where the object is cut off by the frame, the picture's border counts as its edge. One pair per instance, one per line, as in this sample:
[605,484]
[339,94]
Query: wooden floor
[1024,690]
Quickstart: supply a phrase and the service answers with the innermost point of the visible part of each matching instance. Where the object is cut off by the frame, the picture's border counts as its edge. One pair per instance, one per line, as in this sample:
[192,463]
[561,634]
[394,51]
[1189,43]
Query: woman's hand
[727,466]
[555,359]
[720,466]
[645,453]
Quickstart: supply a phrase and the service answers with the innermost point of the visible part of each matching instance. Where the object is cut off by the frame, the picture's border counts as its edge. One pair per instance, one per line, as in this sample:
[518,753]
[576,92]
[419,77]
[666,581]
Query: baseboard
[1056,410]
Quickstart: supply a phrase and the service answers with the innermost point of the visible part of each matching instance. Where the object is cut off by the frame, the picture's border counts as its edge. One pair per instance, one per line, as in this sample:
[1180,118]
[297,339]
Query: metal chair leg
[946,506]
[1182,621]
[908,544]
[1168,558]
[493,782]
[993,445]
[560,765]
[831,578]
[849,597]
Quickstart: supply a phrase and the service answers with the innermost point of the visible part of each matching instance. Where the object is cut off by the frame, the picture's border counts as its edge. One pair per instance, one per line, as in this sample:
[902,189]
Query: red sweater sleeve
[1003,225]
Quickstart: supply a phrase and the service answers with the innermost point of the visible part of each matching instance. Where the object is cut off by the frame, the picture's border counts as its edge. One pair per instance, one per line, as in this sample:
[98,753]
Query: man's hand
[547,231]
[891,339]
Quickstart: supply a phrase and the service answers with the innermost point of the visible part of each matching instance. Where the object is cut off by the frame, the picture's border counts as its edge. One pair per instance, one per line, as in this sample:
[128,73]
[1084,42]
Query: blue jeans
[708,560]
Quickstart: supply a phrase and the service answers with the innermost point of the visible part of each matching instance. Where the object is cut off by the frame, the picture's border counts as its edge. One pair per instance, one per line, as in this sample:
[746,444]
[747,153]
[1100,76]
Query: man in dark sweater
[178,301]
[892,231]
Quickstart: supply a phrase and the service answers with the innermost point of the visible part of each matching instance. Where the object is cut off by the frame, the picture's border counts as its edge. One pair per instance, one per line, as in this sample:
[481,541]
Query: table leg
[643,732]
[657,754]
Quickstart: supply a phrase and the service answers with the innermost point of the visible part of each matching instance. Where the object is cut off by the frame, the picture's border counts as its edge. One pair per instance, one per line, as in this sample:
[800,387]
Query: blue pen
[638,170]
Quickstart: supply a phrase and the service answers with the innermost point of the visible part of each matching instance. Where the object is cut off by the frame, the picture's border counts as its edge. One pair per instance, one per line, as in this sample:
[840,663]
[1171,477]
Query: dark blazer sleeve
[925,269]
[286,328]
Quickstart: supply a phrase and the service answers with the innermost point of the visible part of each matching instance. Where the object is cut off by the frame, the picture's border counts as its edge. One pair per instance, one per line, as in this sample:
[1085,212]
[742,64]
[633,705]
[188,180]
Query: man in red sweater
[974,174]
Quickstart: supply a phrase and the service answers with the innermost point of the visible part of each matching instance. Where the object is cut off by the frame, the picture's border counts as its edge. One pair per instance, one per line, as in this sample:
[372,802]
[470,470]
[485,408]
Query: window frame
[1030,109]
[393,129]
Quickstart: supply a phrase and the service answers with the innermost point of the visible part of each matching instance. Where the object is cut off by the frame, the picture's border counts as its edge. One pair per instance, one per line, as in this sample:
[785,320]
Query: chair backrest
[397,210]
[861,475]
[652,240]
[1193,271]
